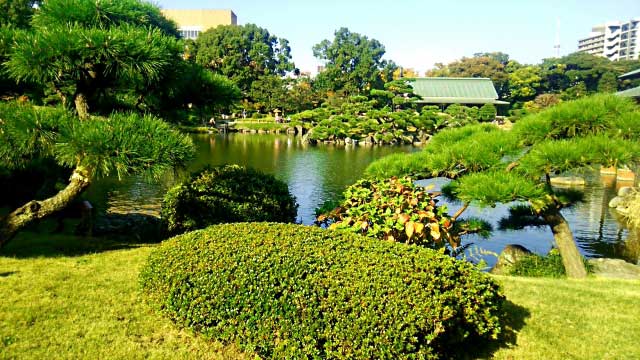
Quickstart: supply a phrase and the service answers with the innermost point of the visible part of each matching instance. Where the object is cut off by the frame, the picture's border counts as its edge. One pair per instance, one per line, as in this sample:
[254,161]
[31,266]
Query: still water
[316,173]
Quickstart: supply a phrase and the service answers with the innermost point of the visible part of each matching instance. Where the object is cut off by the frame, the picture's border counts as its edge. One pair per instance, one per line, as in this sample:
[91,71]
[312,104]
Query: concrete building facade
[193,22]
[615,40]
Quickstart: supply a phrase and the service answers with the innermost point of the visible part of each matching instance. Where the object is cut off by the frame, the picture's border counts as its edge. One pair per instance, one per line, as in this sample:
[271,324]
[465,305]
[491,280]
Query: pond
[315,173]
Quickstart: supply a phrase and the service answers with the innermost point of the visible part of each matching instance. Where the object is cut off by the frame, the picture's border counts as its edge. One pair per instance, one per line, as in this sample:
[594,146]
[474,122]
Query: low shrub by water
[549,266]
[293,292]
[228,193]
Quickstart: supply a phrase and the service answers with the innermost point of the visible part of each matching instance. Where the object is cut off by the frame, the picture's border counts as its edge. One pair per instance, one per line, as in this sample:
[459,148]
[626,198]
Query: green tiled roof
[630,75]
[633,92]
[444,90]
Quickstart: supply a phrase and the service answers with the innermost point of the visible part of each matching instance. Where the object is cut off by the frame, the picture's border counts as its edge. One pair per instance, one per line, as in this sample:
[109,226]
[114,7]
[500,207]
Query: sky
[417,34]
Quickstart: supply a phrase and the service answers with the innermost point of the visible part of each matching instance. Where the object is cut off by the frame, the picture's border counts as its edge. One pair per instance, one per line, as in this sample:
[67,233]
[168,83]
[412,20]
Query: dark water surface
[317,173]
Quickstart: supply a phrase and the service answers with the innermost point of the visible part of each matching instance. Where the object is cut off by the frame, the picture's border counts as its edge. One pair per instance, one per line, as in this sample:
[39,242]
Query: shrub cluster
[392,209]
[228,193]
[294,292]
[362,121]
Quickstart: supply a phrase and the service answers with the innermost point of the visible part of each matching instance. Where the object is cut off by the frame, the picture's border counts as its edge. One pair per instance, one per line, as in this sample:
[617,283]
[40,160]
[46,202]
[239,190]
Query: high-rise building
[192,22]
[615,40]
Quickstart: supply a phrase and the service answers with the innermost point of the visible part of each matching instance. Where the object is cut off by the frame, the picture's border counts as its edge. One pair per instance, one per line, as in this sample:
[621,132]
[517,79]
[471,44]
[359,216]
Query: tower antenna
[557,44]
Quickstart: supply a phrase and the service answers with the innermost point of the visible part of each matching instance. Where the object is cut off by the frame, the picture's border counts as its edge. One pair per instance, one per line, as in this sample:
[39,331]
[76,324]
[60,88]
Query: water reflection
[317,173]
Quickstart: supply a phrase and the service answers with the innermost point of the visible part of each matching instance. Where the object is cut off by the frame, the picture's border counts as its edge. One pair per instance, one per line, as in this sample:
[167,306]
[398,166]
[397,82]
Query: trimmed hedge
[296,292]
[228,193]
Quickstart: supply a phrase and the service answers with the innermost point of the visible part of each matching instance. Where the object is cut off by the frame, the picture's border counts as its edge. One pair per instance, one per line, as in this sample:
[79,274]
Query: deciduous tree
[243,53]
[354,62]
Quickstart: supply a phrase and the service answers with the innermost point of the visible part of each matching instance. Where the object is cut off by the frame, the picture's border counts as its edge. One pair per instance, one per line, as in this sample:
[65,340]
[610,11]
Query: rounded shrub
[223,194]
[293,292]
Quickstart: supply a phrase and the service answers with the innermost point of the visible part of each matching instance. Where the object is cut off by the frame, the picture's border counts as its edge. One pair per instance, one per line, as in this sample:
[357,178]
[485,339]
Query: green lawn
[67,297]
[65,304]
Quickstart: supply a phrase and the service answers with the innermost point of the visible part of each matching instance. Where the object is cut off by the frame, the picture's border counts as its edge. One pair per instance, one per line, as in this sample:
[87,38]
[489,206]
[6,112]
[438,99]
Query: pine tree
[490,166]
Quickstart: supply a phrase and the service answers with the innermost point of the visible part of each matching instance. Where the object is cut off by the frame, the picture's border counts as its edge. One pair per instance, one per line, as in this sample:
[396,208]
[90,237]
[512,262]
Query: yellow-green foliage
[290,291]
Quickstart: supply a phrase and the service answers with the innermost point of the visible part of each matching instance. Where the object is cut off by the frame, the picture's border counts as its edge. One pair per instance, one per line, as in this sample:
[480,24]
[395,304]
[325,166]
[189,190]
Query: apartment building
[193,22]
[615,40]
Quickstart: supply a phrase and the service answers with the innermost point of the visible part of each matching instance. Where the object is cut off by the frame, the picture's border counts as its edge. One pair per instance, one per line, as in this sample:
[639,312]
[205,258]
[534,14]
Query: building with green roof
[447,90]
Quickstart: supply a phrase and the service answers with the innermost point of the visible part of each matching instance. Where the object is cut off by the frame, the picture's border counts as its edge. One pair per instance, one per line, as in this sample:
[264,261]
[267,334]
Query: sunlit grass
[574,319]
[56,305]
[68,297]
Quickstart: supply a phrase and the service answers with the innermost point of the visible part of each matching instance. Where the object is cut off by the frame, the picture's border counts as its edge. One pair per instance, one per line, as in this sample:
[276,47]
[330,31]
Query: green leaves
[288,291]
[393,210]
[491,187]
[228,193]
[28,133]
[123,144]
[243,53]
[103,14]
[554,157]
[598,114]
[80,49]
[75,53]
[354,62]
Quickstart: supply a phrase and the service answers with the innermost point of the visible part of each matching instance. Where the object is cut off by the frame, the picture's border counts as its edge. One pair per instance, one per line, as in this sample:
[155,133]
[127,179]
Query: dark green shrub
[288,291]
[487,112]
[228,193]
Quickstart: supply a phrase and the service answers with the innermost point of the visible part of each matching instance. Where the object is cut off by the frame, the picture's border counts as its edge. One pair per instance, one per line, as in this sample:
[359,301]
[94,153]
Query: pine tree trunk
[38,209]
[82,106]
[571,258]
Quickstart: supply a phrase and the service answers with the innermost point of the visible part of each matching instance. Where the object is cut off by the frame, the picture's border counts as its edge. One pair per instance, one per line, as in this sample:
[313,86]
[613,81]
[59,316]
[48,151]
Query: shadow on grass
[513,321]
[44,240]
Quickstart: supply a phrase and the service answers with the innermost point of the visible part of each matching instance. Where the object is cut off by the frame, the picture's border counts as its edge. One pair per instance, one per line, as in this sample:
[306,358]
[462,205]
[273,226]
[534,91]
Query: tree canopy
[478,66]
[354,62]
[83,48]
[244,53]
[16,13]
[86,48]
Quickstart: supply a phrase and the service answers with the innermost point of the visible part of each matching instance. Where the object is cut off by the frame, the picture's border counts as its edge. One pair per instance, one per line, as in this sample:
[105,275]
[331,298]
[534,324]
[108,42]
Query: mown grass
[573,319]
[76,298]
[71,297]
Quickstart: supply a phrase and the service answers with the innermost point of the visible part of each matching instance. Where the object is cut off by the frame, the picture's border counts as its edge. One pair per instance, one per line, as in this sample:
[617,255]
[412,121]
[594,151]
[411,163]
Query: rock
[626,190]
[134,224]
[568,181]
[291,130]
[348,140]
[510,255]
[615,268]
[616,201]
[368,140]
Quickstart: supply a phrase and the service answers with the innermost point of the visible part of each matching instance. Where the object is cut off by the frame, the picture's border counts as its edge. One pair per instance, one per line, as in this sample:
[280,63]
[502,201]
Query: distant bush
[223,194]
[487,112]
[394,210]
[296,292]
